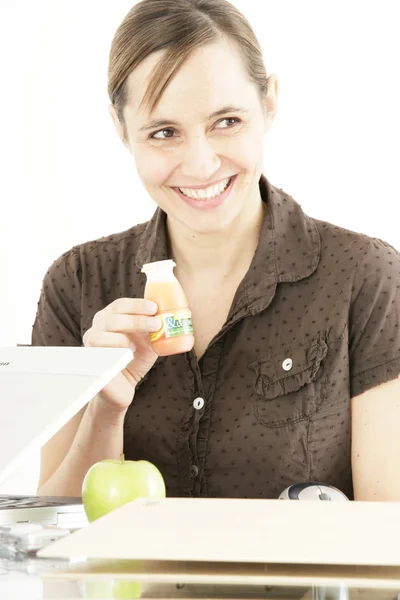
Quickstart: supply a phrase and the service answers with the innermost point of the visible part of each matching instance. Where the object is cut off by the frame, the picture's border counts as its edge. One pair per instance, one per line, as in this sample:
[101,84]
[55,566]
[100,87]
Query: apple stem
[122,457]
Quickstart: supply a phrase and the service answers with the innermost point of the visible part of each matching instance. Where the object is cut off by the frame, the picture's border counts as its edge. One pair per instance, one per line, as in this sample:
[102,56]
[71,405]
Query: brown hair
[177,26]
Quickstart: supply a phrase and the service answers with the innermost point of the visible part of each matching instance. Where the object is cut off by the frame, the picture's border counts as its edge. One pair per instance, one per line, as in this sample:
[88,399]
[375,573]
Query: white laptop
[238,530]
[41,389]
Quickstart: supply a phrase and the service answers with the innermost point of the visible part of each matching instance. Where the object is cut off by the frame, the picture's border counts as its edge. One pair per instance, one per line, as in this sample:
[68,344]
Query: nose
[200,161]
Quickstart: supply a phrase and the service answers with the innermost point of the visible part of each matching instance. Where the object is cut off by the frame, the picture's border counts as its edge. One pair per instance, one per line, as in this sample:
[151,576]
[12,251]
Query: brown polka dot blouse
[315,321]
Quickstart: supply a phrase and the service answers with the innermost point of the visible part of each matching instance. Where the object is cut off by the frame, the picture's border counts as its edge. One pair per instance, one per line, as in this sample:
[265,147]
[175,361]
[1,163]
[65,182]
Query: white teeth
[208,193]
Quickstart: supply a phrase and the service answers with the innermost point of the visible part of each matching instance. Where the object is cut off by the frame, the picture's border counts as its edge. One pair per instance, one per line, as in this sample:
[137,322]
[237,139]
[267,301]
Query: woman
[293,376]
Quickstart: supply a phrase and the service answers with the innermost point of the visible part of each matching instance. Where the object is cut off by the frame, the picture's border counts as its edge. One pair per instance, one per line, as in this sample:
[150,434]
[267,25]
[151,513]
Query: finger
[130,323]
[105,339]
[133,306]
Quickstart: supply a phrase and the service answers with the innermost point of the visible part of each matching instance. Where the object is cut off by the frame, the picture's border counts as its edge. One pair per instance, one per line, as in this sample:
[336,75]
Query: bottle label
[174,324]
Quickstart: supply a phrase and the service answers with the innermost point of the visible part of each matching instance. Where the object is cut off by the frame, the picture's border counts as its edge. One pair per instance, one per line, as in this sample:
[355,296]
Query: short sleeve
[374,321]
[57,321]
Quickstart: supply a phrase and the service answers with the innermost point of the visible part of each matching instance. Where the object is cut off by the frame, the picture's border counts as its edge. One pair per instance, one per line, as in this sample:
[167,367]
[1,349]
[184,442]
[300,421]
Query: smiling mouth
[208,193]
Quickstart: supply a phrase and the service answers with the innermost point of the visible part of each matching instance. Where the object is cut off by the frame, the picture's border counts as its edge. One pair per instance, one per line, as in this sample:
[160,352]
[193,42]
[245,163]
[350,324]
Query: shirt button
[198,403]
[194,471]
[287,364]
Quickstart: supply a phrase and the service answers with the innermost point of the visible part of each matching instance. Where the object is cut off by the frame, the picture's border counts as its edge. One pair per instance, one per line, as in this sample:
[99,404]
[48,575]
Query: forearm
[99,437]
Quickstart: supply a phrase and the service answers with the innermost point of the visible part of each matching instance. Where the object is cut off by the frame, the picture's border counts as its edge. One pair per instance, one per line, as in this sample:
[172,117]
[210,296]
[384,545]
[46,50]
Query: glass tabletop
[99,580]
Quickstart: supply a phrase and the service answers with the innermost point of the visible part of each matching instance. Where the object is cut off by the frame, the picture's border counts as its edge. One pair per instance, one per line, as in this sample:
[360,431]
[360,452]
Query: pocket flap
[290,369]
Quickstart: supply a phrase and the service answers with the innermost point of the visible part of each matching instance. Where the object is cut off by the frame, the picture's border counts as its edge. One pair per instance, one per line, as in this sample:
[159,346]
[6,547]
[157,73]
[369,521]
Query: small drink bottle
[162,287]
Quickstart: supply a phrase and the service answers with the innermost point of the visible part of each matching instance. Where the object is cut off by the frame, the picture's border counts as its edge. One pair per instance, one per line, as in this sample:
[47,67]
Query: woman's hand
[125,323]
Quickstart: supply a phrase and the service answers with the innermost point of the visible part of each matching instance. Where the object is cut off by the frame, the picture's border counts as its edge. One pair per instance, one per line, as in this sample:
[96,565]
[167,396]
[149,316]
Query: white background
[66,178]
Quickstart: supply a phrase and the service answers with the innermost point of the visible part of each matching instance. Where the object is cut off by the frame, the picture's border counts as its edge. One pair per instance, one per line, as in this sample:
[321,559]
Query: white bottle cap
[159,270]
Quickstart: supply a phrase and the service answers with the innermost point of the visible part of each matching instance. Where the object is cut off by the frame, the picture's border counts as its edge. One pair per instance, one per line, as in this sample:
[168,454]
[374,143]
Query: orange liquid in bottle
[162,287]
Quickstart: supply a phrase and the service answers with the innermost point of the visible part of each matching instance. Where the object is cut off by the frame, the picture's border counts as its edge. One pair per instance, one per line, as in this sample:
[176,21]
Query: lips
[219,185]
[207,203]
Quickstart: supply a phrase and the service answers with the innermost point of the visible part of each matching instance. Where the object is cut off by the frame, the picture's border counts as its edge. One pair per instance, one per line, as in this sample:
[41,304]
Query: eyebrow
[159,123]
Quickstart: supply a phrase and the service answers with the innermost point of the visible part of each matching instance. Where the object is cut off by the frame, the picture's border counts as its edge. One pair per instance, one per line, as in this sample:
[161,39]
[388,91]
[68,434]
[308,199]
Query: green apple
[93,589]
[126,589]
[111,589]
[111,483]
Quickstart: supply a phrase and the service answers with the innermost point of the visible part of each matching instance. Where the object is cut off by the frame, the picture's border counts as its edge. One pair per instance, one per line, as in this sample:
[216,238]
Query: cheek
[249,150]
[154,166]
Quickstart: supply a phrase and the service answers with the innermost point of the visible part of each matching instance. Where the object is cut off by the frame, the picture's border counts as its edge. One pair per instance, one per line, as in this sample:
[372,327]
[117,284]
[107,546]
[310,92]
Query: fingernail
[132,347]
[151,306]
[154,324]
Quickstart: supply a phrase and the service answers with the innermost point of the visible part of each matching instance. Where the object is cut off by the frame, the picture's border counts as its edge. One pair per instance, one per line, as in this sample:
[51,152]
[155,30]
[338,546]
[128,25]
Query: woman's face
[207,131]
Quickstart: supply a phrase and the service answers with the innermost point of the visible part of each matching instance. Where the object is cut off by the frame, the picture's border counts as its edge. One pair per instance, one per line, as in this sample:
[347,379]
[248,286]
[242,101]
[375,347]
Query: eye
[160,135]
[229,121]
[153,136]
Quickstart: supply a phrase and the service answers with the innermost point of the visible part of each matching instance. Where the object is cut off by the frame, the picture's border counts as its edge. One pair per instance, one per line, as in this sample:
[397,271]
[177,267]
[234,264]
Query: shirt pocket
[289,385]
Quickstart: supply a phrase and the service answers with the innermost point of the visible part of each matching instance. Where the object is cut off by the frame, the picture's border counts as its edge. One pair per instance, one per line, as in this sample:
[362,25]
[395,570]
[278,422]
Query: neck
[235,245]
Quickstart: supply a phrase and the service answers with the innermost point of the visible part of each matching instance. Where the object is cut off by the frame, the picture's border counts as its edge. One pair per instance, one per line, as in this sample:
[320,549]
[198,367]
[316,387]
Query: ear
[271,101]
[118,125]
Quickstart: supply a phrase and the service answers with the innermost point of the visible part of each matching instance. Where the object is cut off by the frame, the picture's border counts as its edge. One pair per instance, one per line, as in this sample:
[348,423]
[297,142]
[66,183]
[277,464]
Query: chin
[212,222]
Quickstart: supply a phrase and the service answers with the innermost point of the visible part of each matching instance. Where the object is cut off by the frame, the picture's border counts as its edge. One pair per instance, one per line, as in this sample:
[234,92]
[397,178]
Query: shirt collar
[288,250]
[289,238]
